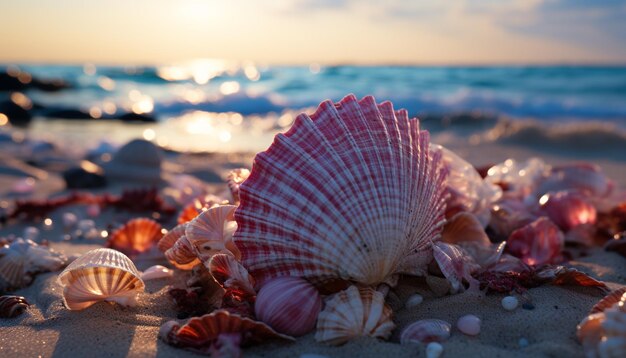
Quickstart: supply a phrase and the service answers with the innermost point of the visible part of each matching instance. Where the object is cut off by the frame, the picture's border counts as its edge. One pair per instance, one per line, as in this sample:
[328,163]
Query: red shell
[136,236]
[537,243]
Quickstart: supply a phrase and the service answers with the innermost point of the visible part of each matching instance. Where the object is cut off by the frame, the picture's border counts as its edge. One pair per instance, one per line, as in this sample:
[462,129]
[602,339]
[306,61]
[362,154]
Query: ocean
[222,106]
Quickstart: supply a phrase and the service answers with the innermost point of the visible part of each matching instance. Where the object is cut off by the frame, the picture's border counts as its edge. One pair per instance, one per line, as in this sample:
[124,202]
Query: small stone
[469,325]
[31,233]
[414,300]
[510,303]
[86,225]
[69,220]
[434,350]
[523,342]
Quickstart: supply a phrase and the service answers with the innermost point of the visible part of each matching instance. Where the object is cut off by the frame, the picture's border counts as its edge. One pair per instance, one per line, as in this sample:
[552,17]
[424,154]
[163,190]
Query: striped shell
[235,178]
[289,304]
[211,232]
[350,192]
[12,306]
[213,331]
[21,259]
[426,331]
[352,313]
[177,249]
[456,265]
[100,275]
[603,334]
[136,236]
[229,274]
[464,227]
[199,205]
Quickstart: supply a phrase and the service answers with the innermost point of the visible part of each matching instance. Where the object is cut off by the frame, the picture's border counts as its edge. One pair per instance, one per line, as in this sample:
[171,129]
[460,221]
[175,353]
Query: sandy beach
[546,327]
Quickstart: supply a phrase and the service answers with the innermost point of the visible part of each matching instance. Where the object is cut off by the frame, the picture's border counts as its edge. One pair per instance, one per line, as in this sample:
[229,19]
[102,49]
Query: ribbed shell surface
[350,192]
[108,258]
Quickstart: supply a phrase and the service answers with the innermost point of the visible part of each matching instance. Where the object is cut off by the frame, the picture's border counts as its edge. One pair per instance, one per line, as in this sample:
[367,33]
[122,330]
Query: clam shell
[350,192]
[200,334]
[235,178]
[537,243]
[21,259]
[352,313]
[211,232]
[12,306]
[288,304]
[136,236]
[231,275]
[100,275]
[426,331]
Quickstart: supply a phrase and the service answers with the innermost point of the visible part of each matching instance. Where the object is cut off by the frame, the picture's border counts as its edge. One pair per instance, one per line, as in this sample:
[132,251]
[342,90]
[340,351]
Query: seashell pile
[21,259]
[100,275]
[603,332]
[351,192]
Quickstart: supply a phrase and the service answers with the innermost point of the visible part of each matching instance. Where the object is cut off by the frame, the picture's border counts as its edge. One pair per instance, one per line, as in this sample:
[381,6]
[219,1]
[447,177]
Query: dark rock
[139,160]
[134,117]
[21,80]
[79,178]
[17,115]
[67,113]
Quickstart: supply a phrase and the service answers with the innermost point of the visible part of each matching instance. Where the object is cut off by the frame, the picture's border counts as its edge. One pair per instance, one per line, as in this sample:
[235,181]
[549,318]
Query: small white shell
[434,350]
[510,303]
[425,331]
[352,313]
[22,259]
[156,272]
[100,275]
[289,305]
[469,325]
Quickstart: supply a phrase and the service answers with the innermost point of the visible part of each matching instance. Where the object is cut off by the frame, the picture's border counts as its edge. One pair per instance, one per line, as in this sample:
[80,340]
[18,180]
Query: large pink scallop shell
[351,192]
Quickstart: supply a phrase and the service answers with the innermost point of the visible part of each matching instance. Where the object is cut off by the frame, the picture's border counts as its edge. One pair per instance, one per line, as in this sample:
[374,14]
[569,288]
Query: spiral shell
[426,331]
[210,332]
[12,306]
[352,313]
[136,236]
[603,334]
[235,178]
[290,305]
[211,232]
[350,192]
[21,259]
[100,275]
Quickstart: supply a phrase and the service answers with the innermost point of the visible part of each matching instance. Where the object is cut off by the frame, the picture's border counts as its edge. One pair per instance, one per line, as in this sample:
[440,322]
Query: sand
[50,330]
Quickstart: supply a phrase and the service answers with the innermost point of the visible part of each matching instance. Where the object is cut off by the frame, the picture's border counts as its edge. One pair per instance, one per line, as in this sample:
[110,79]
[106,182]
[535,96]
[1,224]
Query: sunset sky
[305,31]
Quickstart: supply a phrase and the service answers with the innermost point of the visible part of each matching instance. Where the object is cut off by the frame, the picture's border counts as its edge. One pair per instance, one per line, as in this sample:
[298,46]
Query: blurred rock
[18,116]
[138,160]
[79,178]
[18,80]
[134,117]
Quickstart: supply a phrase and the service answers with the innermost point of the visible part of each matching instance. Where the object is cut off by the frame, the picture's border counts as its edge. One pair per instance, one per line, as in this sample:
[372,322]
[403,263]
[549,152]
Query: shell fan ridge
[351,192]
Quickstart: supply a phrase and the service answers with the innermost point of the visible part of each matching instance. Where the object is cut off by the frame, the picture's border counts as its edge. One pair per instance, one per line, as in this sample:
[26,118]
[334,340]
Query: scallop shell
[289,304]
[608,301]
[213,331]
[12,306]
[136,236]
[229,273]
[426,331]
[464,227]
[351,193]
[568,209]
[169,239]
[100,275]
[199,205]
[235,178]
[537,243]
[603,334]
[211,232]
[352,313]
[21,259]
[455,265]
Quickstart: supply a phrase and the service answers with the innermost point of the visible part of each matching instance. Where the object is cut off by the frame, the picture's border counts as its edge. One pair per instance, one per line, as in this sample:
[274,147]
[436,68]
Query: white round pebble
[69,220]
[414,300]
[434,350]
[469,325]
[510,303]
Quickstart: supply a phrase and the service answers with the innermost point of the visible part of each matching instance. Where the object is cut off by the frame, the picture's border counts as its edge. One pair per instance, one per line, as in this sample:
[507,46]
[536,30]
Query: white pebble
[510,303]
[434,350]
[69,220]
[414,300]
[31,233]
[469,325]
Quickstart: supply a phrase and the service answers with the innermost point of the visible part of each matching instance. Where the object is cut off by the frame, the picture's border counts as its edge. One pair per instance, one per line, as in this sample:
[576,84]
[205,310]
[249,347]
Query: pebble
[414,300]
[434,350]
[469,325]
[31,233]
[69,220]
[523,342]
[510,303]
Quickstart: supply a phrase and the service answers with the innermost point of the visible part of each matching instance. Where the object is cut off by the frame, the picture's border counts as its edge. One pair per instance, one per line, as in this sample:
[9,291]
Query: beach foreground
[544,326]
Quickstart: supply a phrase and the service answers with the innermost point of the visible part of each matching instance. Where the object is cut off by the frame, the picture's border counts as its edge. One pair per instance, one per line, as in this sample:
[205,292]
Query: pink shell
[235,178]
[12,306]
[182,254]
[426,331]
[208,333]
[537,243]
[508,215]
[136,236]
[229,273]
[455,265]
[584,177]
[211,232]
[464,227]
[169,239]
[609,300]
[568,209]
[288,304]
[469,324]
[351,192]
[199,205]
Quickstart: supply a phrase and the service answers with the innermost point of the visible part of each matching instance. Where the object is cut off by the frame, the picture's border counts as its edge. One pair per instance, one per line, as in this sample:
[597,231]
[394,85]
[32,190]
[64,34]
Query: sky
[436,32]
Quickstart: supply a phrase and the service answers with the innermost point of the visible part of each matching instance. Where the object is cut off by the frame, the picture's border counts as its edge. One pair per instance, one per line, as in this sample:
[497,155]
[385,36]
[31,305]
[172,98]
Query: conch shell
[351,193]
